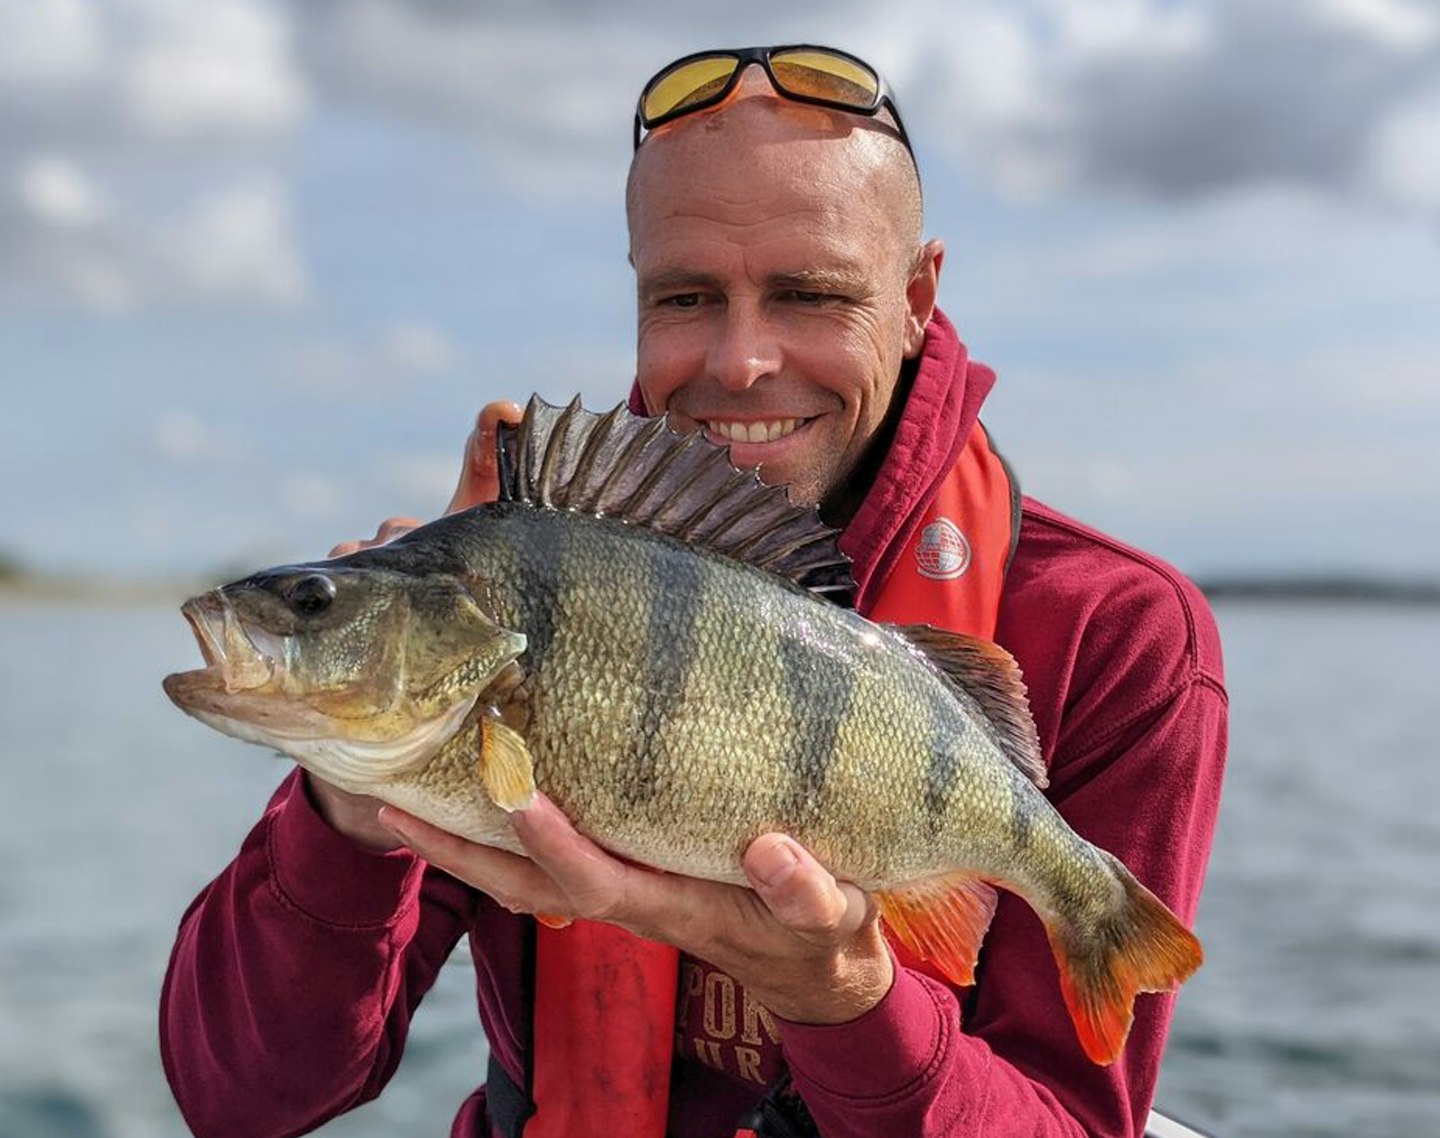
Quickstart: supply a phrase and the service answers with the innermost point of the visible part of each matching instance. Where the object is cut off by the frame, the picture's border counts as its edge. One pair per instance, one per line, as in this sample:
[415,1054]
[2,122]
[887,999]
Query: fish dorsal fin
[990,676]
[637,470]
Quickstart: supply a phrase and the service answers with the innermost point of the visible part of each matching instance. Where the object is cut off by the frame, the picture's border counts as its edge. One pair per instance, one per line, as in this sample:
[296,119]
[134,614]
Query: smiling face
[781,285]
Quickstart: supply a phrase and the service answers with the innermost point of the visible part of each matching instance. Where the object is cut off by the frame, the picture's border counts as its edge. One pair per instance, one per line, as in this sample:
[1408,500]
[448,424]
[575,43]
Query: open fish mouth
[236,658]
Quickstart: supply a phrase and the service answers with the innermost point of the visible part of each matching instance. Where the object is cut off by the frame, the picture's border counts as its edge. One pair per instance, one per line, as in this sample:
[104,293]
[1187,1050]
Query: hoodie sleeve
[306,945]
[1147,789]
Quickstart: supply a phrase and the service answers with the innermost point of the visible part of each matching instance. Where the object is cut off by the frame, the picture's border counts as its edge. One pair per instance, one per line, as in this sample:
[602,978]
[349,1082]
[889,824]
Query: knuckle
[392,528]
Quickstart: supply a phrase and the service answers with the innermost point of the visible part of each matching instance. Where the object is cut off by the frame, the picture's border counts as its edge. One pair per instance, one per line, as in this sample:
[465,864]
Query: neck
[839,506]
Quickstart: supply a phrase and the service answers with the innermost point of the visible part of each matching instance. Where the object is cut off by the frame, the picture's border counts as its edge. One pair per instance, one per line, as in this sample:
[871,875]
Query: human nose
[746,350]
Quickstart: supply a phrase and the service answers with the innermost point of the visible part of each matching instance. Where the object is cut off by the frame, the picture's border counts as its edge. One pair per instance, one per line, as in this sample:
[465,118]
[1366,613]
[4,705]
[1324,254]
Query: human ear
[920,292]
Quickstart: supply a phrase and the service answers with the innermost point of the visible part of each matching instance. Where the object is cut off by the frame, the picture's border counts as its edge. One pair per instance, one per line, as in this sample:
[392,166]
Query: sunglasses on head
[805,73]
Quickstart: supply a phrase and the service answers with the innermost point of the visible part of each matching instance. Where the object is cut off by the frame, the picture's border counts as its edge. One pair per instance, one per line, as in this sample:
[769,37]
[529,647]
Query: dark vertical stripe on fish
[1024,812]
[947,743]
[670,646]
[542,555]
[818,704]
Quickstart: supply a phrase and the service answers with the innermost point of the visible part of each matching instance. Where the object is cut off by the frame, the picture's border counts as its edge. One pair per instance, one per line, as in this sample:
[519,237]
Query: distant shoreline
[1338,589]
[1331,589]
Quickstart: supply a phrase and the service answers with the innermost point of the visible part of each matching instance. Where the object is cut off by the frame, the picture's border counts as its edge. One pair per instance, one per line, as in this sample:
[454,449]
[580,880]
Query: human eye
[811,292]
[680,300]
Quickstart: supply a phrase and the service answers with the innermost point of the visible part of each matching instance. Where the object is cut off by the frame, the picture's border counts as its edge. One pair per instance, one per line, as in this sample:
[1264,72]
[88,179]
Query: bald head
[756,137]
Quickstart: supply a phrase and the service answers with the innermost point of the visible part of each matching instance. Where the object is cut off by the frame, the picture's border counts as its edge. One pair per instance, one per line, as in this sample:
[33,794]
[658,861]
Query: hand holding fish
[806,946]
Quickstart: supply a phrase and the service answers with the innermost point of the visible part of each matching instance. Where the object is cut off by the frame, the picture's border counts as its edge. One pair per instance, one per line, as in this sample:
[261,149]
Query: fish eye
[311,594]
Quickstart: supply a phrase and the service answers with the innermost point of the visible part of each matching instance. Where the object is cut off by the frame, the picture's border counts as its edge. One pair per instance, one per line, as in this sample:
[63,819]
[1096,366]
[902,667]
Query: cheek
[663,362]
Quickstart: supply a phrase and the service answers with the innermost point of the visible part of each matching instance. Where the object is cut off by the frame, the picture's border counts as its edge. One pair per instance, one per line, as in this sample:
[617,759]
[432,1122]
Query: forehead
[761,173]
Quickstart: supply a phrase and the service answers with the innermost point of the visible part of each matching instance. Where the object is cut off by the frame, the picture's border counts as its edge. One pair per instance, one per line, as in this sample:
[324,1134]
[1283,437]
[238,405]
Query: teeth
[754,432]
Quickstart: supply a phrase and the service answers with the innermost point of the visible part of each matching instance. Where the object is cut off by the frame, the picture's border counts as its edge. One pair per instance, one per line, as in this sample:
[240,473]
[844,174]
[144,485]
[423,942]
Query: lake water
[1317,1012]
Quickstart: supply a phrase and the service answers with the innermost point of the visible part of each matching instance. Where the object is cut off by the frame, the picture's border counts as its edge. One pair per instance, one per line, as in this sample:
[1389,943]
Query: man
[787,308]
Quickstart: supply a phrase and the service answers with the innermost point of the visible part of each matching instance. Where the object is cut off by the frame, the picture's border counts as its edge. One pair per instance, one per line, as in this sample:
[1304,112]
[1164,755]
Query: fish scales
[727,727]
[678,698]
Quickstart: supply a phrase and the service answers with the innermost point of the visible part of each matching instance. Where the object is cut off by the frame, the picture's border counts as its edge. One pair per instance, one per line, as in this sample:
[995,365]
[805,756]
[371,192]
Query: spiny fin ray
[638,470]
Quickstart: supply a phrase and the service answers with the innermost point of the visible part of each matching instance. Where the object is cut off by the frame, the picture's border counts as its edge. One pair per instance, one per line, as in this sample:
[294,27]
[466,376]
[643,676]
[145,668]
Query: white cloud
[68,238]
[549,93]
[1405,154]
[223,65]
[240,244]
[48,42]
[416,349]
[307,496]
[392,359]
[160,126]
[1165,100]
[58,192]
[1399,24]
[143,139]
[185,438]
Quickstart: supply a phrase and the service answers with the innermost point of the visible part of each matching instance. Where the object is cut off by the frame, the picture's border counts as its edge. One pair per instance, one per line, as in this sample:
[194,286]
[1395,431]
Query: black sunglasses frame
[744,57]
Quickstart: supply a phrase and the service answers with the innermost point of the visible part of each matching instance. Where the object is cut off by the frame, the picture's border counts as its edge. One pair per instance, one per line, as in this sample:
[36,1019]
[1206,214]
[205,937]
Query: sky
[262,262]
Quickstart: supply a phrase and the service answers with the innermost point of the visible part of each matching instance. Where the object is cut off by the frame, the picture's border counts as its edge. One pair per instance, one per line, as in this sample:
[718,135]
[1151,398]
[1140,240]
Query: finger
[597,885]
[515,882]
[391,528]
[801,893]
[479,474]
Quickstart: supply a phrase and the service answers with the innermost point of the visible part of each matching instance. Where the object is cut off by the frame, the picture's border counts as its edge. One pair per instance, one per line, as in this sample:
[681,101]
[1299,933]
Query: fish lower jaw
[329,749]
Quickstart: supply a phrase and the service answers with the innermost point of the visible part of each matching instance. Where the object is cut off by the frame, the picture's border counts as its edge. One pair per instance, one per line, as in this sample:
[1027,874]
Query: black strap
[506,1101]
[781,1114]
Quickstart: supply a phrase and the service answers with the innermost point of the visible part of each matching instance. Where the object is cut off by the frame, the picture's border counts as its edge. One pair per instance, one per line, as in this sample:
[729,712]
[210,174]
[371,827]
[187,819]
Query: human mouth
[754,431]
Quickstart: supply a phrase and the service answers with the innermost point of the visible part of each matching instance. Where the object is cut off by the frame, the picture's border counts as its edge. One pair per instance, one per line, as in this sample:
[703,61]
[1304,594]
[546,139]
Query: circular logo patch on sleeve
[942,553]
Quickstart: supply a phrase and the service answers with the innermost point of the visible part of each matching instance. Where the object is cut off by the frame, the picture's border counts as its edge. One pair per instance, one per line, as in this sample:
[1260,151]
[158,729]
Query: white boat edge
[1161,1126]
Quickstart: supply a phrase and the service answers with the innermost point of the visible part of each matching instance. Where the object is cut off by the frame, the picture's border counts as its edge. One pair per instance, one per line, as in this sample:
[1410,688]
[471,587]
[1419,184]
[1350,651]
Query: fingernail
[391,821]
[777,864]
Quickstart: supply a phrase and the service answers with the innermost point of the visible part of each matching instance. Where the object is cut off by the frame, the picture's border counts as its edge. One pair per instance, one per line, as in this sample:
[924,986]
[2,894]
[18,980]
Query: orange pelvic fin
[506,769]
[942,920]
[550,921]
[1142,948]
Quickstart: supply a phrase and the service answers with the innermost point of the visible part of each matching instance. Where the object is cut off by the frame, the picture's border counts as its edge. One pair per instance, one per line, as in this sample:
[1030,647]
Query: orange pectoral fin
[506,770]
[942,920]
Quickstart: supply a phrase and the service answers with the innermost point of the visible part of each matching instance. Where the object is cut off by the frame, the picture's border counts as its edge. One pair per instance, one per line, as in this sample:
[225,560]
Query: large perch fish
[640,631]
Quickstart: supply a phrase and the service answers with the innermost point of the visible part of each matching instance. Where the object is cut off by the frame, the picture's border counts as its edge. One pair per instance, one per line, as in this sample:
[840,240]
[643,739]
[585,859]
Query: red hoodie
[296,971]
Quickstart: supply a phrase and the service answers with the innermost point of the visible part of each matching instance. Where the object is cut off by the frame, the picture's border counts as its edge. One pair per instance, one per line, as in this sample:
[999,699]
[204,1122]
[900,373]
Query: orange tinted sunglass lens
[688,84]
[820,75]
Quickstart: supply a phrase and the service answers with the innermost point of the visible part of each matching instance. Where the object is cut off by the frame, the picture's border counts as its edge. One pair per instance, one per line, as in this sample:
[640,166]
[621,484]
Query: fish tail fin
[1141,947]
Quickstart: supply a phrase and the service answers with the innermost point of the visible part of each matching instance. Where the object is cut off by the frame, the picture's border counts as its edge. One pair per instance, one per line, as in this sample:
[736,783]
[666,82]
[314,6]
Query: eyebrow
[676,280]
[842,280]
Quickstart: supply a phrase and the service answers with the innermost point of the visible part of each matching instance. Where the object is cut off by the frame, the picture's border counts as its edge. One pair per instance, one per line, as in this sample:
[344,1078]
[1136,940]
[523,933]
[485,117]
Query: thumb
[801,893]
[479,471]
